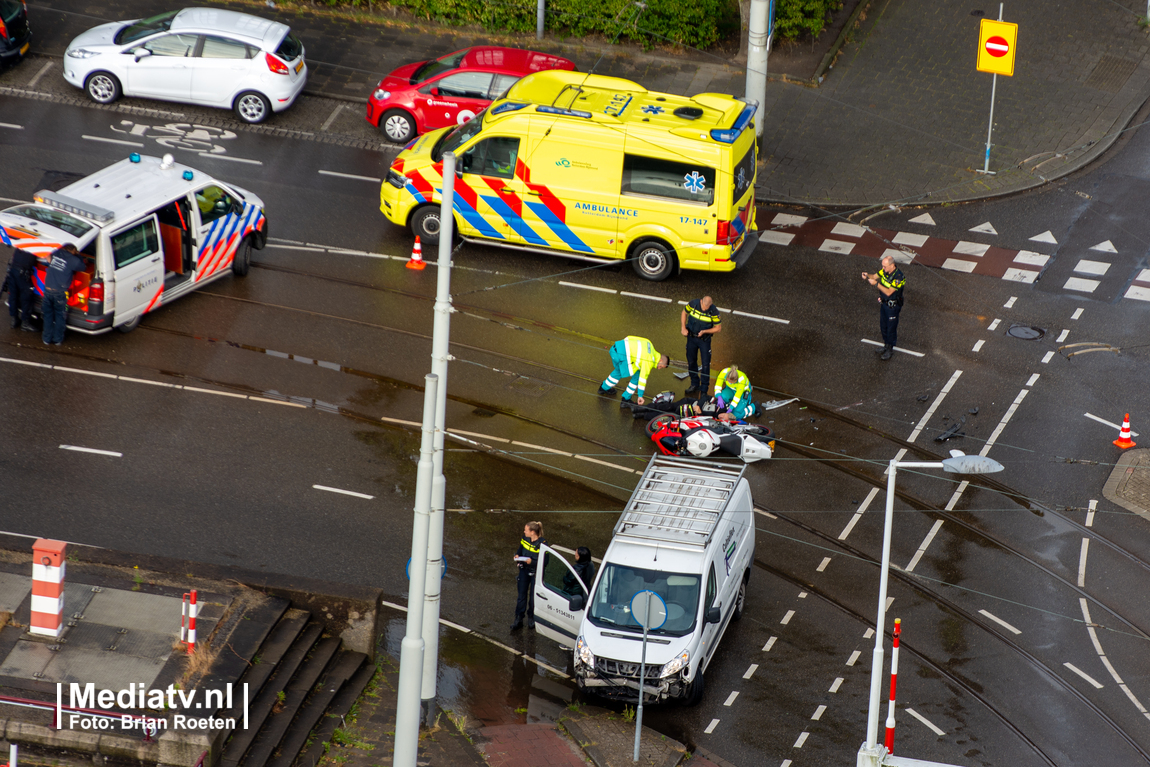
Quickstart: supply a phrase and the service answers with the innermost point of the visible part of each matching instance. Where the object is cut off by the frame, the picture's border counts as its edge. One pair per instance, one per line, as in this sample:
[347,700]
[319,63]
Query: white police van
[149,229]
[687,534]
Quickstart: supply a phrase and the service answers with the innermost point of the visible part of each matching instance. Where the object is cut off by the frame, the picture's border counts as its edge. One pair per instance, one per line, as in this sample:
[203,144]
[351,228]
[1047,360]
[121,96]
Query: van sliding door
[139,269]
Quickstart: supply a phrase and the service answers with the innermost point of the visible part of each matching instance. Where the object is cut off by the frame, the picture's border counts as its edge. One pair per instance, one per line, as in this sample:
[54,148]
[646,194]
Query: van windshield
[63,221]
[611,605]
[456,138]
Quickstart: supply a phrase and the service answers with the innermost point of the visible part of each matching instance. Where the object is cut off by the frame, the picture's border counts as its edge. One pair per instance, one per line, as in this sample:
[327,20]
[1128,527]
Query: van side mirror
[575,604]
[713,615]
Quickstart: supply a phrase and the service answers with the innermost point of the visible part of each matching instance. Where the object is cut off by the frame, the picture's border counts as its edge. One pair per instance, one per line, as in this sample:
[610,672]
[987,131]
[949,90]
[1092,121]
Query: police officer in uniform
[700,320]
[890,283]
[527,557]
[20,289]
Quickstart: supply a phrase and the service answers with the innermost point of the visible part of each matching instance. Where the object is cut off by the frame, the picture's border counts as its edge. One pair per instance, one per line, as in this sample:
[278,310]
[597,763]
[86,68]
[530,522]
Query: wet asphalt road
[230,480]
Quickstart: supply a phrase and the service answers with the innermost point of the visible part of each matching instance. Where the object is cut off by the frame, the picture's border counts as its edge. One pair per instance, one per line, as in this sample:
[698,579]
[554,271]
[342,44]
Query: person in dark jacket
[527,557]
[54,308]
[584,567]
[20,289]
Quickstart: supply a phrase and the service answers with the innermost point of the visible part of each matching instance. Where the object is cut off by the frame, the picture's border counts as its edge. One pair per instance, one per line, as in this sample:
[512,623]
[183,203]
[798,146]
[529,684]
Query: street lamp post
[871,753]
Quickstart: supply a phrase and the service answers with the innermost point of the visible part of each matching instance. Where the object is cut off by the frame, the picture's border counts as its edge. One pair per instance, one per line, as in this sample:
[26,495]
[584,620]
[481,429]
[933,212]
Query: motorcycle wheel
[658,423]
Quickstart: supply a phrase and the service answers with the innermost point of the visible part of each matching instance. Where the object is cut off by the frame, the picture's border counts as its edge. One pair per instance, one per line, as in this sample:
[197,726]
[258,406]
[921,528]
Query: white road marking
[608,464]
[897,348]
[1113,426]
[1002,424]
[930,411]
[1010,303]
[818,713]
[43,71]
[537,447]
[889,602]
[649,298]
[770,643]
[1137,293]
[854,656]
[986,228]
[1083,674]
[1047,357]
[331,118]
[848,230]
[350,175]
[1090,513]
[907,238]
[786,219]
[823,565]
[13,126]
[587,287]
[899,256]
[1032,380]
[976,249]
[925,721]
[978,345]
[343,492]
[959,265]
[112,141]
[1076,315]
[295,247]
[999,621]
[835,685]
[925,218]
[858,514]
[776,238]
[1020,275]
[837,246]
[868,633]
[787,618]
[802,739]
[92,450]
[1062,336]
[1082,562]
[766,514]
[750,669]
[84,372]
[761,317]
[481,436]
[254,398]
[1097,268]
[786,763]
[802,595]
[1030,258]
[215,391]
[711,727]
[993,325]
[1081,284]
[1104,247]
[1045,237]
[402,422]
[230,159]
[925,544]
[731,698]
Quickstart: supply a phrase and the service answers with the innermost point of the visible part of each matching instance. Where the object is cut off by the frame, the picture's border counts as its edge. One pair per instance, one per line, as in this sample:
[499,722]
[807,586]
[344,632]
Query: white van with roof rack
[687,534]
[149,230]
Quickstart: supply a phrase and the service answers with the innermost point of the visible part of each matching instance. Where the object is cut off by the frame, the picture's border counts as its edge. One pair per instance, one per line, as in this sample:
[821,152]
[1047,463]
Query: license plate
[299,66]
[25,48]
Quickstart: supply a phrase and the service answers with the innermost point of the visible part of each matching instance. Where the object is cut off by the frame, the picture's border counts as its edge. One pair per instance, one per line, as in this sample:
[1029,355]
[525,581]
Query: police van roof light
[74,206]
[728,135]
[134,157]
[187,175]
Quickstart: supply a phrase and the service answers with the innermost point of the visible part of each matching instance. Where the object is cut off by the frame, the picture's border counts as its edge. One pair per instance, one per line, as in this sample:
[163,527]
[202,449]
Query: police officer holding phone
[890,283]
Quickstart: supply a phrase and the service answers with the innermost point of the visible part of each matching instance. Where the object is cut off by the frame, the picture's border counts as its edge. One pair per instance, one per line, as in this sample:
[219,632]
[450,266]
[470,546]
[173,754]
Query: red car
[426,95]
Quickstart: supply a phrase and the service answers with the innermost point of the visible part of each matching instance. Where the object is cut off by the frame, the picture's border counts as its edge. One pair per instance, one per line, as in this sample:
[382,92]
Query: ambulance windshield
[454,139]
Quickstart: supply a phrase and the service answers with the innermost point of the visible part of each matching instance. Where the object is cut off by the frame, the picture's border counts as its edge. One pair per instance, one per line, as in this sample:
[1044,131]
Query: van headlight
[81,53]
[676,664]
[583,653]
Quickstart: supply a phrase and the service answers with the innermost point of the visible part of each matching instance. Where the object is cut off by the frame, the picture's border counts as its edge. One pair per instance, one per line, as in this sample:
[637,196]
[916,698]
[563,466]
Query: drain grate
[1111,73]
[1026,332]
[530,386]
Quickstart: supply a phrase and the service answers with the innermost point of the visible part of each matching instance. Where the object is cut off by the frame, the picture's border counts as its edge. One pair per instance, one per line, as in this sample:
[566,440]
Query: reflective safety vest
[739,388]
[641,358]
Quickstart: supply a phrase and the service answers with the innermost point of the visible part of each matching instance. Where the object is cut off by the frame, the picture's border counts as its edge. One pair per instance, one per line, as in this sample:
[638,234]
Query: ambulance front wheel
[397,125]
[653,260]
[425,224]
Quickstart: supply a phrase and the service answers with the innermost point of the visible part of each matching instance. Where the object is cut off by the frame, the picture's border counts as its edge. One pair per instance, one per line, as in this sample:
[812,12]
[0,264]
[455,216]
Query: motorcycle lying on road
[702,436]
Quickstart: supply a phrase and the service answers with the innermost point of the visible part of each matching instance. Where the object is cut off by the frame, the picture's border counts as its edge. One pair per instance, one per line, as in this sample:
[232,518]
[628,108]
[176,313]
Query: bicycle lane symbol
[194,138]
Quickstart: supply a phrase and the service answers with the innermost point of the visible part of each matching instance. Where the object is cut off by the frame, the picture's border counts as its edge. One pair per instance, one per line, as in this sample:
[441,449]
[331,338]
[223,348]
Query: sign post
[649,609]
[996,41]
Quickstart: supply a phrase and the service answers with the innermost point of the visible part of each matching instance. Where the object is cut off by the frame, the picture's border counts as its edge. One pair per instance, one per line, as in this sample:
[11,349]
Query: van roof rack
[679,501]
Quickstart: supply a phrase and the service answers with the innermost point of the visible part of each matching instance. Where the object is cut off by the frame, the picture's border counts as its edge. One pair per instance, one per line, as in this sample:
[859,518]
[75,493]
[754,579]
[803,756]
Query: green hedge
[797,18]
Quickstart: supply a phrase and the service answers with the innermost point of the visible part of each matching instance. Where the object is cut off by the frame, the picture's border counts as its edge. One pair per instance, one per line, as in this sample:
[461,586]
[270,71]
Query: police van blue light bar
[507,106]
[728,135]
[73,206]
[559,111]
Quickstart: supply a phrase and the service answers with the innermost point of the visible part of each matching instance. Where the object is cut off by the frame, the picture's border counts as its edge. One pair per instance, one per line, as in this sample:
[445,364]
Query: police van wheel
[397,126]
[131,324]
[658,422]
[653,260]
[425,225]
[243,260]
[740,599]
[102,87]
[252,107]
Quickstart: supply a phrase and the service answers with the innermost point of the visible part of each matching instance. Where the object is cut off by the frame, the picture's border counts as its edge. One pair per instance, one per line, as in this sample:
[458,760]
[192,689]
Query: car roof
[242,25]
[513,60]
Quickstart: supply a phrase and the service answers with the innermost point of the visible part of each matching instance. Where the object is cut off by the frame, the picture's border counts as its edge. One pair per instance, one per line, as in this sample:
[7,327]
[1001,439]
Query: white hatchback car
[205,56]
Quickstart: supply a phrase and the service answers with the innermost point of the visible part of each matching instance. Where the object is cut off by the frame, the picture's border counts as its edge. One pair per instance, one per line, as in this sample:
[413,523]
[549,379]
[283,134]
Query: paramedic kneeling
[54,308]
[734,388]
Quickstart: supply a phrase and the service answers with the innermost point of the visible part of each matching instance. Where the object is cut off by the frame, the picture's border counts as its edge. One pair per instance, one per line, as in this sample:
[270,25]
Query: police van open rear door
[139,268]
[555,585]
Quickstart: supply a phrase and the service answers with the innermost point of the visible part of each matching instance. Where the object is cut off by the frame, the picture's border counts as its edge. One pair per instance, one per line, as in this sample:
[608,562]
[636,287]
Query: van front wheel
[739,600]
[425,225]
[695,689]
[653,260]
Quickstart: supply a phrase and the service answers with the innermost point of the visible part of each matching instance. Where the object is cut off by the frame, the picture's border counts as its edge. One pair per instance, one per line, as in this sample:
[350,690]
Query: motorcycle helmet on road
[702,443]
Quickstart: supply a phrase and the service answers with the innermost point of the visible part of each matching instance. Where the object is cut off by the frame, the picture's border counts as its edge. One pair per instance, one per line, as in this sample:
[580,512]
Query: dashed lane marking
[536,447]
[711,727]
[818,713]
[750,672]
[350,175]
[770,643]
[1033,379]
[661,299]
[1082,562]
[802,739]
[978,345]
[1010,303]
[1090,513]
[823,565]
[835,685]
[1113,426]
[999,621]
[344,492]
[1062,336]
[1077,314]
[925,545]
[1047,357]
[731,698]
[854,657]
[92,450]
[587,287]
[112,141]
[11,126]
[229,158]
[761,317]
[897,348]
[925,721]
[1002,424]
[474,434]
[859,512]
[868,633]
[787,618]
[993,325]
[927,415]
[1083,674]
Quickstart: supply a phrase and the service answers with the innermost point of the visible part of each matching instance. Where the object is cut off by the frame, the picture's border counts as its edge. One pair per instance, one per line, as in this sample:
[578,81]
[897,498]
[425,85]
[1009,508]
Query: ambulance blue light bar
[559,111]
[728,135]
[507,106]
[73,206]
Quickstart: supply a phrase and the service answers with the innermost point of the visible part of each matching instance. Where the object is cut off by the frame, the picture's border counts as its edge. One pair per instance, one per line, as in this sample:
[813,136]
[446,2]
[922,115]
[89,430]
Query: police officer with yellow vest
[700,320]
[634,358]
[890,283]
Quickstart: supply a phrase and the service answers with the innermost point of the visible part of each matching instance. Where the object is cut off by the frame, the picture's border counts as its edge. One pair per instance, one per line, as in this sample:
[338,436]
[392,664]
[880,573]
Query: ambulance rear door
[138,263]
[737,192]
[571,175]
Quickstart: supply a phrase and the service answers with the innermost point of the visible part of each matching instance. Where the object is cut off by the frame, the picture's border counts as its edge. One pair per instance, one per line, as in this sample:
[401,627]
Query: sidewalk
[899,117]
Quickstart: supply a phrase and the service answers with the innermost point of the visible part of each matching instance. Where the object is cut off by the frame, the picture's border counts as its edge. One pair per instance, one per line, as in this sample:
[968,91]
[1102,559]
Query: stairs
[299,677]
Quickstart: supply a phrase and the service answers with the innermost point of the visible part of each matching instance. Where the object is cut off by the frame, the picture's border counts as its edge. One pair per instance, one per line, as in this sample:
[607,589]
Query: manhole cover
[1026,332]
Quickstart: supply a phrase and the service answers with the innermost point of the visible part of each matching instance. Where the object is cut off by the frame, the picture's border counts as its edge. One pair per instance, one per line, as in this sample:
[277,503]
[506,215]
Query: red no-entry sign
[996,43]
[997,46]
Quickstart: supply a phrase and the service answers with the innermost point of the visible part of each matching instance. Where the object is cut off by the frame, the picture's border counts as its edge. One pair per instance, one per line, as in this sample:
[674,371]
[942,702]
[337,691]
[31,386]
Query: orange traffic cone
[416,261]
[1124,440]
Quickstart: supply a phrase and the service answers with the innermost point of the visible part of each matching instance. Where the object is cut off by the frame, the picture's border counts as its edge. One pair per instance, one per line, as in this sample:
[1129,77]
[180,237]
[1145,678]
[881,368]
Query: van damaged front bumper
[627,690]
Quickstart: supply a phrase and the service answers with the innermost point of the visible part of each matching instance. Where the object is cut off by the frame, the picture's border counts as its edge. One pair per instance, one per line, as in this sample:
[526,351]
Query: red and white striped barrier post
[893,683]
[188,621]
[47,587]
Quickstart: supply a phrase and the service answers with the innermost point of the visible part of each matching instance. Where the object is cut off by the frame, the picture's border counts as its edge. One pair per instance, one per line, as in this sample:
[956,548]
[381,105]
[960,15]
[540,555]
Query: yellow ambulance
[594,168]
